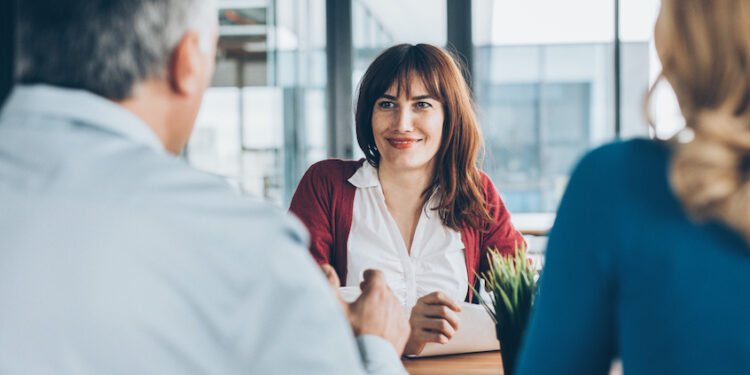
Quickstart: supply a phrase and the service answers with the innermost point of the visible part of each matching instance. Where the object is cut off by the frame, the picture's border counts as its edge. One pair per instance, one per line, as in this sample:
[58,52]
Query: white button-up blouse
[436,263]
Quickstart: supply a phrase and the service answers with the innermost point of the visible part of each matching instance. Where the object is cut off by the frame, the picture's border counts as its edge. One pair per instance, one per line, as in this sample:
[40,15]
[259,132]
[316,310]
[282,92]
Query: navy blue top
[628,275]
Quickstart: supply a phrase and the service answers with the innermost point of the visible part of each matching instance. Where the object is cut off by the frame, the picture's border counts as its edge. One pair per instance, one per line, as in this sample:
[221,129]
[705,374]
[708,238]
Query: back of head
[705,51]
[104,46]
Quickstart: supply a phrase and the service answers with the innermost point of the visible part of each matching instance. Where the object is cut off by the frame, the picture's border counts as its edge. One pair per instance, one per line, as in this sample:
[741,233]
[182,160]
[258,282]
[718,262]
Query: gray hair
[105,46]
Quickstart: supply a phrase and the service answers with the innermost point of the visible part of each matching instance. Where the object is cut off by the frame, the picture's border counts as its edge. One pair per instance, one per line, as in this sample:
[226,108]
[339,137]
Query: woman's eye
[385,104]
[423,105]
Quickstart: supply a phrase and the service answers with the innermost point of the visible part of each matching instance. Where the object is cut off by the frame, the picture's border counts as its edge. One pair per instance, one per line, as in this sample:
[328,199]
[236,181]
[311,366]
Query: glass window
[543,80]
[638,63]
[379,24]
[262,123]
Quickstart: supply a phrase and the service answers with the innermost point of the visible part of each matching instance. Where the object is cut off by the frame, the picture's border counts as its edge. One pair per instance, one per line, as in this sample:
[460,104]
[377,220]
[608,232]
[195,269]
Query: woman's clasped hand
[433,319]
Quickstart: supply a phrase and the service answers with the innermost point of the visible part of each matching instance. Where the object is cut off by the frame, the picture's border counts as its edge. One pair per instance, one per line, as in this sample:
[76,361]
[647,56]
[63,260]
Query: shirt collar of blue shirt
[83,106]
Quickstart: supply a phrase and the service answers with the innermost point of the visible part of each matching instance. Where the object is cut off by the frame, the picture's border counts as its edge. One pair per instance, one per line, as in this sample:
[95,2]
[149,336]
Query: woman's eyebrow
[386,96]
[420,97]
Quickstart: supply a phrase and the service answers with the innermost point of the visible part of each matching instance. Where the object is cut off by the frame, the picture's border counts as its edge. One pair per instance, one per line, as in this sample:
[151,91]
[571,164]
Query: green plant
[511,283]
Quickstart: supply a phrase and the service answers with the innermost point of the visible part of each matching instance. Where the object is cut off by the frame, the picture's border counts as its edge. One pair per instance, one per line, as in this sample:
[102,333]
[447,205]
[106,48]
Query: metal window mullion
[339,65]
[460,33]
[7,46]
[617,72]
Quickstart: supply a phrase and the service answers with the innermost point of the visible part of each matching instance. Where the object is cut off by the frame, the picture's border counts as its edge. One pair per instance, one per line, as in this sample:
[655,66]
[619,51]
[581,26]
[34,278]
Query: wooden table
[470,364]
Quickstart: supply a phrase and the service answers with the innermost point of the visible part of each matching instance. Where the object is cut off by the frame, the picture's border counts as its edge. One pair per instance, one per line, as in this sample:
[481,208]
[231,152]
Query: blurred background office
[552,79]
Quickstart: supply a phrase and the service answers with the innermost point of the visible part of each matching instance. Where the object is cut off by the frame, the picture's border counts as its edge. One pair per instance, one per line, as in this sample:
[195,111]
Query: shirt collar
[366,176]
[82,106]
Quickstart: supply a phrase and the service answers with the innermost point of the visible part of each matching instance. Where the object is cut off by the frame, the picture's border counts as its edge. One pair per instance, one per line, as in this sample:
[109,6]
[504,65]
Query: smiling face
[407,130]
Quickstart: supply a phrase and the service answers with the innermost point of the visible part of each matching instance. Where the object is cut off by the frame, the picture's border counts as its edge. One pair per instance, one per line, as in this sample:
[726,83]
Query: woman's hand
[433,319]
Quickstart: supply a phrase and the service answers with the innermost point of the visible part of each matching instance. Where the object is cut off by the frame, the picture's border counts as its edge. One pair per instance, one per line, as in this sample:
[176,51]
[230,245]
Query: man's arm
[293,324]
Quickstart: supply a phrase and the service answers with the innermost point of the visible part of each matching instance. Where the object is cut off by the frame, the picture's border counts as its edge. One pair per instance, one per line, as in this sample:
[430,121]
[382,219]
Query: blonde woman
[649,259]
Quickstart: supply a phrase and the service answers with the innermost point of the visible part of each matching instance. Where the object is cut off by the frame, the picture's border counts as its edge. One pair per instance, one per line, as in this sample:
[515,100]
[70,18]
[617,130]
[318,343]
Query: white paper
[476,330]
[350,293]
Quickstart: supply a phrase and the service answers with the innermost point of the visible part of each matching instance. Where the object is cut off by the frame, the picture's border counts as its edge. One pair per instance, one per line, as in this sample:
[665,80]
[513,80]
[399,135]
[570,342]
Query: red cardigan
[324,200]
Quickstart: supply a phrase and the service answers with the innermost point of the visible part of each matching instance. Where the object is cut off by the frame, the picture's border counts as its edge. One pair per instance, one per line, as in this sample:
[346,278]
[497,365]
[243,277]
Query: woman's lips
[402,143]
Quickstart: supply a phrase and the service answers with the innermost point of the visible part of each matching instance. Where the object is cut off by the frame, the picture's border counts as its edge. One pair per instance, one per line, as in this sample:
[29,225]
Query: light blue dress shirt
[118,258]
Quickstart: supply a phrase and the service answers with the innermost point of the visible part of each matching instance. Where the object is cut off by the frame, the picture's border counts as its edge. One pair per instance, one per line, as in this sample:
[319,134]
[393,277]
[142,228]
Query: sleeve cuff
[379,356]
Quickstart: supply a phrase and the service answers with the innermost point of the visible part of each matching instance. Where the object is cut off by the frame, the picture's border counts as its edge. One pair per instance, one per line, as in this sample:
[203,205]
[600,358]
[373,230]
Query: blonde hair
[705,53]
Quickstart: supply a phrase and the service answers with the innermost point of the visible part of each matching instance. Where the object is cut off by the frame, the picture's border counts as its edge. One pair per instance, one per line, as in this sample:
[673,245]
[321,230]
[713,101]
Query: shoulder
[335,168]
[323,185]
[626,152]
[212,212]
[167,188]
[623,160]
[619,173]
[158,200]
[492,200]
[486,182]
[331,172]
[488,188]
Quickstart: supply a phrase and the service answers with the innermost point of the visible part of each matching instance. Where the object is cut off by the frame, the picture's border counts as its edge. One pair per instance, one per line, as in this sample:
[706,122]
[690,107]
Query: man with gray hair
[118,258]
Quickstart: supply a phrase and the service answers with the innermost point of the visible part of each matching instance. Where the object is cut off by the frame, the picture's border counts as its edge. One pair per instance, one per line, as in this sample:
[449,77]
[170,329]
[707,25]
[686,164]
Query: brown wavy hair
[457,182]
[705,55]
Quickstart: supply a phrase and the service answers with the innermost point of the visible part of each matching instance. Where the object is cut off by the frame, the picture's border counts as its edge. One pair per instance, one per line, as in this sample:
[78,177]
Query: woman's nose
[404,122]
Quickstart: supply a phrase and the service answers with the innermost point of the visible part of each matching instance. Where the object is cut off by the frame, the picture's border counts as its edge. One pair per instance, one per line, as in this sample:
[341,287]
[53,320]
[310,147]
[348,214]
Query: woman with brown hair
[648,260]
[418,208]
